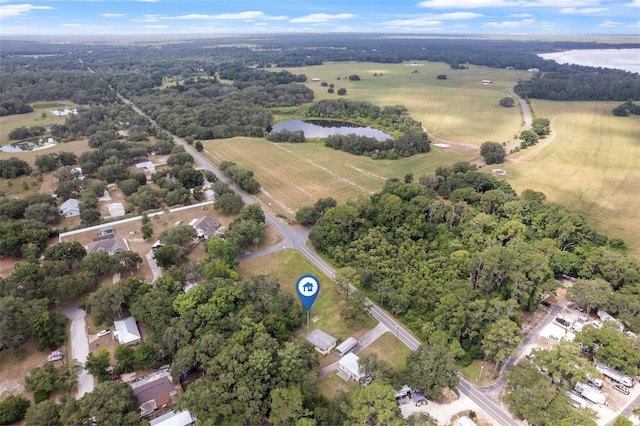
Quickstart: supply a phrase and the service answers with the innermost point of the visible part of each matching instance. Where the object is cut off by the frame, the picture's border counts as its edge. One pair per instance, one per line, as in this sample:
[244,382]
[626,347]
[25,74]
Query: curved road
[526,116]
[297,239]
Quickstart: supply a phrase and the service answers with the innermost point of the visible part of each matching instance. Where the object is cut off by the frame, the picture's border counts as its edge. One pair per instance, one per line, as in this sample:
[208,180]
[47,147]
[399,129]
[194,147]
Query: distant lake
[28,145]
[624,59]
[324,128]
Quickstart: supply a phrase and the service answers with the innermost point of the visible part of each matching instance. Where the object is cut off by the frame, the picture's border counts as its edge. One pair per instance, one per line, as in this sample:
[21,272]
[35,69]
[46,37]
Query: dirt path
[80,347]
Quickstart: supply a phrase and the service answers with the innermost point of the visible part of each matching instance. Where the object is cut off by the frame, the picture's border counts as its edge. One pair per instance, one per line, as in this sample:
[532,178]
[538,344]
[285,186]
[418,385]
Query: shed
[350,367]
[127,331]
[322,341]
[106,230]
[347,345]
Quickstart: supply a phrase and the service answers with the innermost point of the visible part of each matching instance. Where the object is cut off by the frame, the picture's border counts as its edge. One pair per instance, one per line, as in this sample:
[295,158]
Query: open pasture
[590,163]
[35,118]
[296,175]
[459,109]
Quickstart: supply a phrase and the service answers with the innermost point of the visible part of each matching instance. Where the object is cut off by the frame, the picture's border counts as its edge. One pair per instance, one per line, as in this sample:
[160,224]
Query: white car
[104,332]
[55,356]
[596,324]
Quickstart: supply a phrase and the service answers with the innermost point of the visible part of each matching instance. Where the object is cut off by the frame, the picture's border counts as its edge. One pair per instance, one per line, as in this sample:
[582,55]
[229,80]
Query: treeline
[285,135]
[581,84]
[208,110]
[80,88]
[20,133]
[459,250]
[405,145]
[242,177]
[14,107]
[239,73]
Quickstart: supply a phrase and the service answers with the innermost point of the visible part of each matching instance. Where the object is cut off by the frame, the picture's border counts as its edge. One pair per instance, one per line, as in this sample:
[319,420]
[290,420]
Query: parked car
[595,382]
[545,303]
[579,308]
[596,324]
[104,332]
[55,356]
[621,388]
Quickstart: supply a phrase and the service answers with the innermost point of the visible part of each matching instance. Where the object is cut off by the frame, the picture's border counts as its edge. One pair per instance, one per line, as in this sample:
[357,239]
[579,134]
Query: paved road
[297,239]
[80,347]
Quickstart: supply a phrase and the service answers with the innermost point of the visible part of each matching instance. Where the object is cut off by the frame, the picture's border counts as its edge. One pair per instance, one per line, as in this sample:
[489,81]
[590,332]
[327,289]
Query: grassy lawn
[331,384]
[459,109]
[590,165]
[478,372]
[35,118]
[388,348]
[296,175]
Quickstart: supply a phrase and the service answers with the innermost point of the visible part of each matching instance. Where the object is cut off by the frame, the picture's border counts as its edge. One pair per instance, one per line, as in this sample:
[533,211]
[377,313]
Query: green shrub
[13,409]
[40,396]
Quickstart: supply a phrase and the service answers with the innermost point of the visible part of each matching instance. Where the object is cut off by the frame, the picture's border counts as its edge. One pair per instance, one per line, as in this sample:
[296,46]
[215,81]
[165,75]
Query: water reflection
[324,128]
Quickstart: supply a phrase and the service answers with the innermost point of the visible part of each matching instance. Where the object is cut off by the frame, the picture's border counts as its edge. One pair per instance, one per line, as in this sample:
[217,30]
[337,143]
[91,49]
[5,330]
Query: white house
[70,208]
[77,171]
[127,331]
[64,112]
[146,165]
[116,209]
[348,366]
[109,244]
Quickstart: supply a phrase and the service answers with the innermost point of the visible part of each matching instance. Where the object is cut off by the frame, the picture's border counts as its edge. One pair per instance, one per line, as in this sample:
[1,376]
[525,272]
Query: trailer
[615,375]
[590,394]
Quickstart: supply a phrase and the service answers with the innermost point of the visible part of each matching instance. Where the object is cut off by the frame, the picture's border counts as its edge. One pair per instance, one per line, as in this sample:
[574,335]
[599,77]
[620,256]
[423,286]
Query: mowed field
[296,175]
[591,164]
[35,118]
[459,109]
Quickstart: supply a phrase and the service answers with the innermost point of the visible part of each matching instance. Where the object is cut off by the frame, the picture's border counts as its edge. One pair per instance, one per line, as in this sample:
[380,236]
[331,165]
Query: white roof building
[146,165]
[349,366]
[116,209]
[70,208]
[127,331]
[174,418]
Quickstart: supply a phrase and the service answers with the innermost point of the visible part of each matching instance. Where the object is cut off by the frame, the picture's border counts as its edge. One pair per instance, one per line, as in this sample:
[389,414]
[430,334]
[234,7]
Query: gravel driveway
[80,347]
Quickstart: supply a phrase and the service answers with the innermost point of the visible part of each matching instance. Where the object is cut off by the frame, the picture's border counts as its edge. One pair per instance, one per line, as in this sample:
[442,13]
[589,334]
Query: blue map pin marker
[308,288]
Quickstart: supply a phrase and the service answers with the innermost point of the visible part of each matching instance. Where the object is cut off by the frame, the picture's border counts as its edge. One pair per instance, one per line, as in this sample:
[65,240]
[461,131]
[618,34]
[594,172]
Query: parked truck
[615,375]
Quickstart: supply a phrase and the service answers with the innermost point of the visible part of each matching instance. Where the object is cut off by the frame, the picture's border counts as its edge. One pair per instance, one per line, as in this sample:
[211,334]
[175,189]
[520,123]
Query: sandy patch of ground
[445,413]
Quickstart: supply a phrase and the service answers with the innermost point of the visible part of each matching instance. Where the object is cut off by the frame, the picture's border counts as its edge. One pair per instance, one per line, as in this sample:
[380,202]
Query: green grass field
[459,109]
[35,118]
[296,175]
[590,164]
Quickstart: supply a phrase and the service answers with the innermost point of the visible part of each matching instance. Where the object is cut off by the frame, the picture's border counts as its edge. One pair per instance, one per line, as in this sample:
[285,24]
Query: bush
[13,408]
[40,396]
[342,91]
[507,102]
[492,152]
[354,77]
[442,77]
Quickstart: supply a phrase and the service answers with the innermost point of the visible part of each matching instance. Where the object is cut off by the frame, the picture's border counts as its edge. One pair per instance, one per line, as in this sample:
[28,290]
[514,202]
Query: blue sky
[165,17]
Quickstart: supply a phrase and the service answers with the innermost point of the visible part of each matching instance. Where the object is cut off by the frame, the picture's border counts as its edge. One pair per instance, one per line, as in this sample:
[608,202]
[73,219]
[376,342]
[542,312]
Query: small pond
[324,128]
[28,145]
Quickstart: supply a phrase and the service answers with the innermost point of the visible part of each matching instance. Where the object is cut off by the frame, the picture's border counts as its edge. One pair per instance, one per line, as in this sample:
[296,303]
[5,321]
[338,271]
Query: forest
[459,250]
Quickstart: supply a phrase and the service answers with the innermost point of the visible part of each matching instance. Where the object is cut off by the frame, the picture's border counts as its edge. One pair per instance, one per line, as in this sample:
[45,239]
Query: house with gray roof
[322,341]
[70,208]
[108,245]
[127,331]
[205,226]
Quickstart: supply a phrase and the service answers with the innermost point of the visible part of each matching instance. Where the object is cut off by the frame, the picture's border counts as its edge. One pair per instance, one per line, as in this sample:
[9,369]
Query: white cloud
[521,15]
[511,24]
[112,15]
[417,22]
[476,4]
[148,18]
[464,4]
[317,18]
[458,16]
[156,27]
[634,3]
[610,24]
[241,16]
[70,25]
[635,25]
[12,10]
[583,11]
